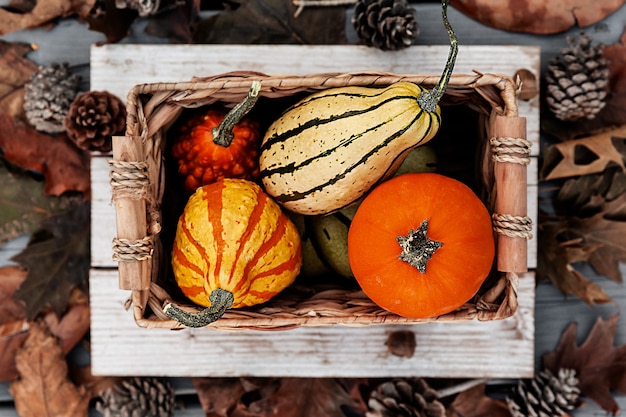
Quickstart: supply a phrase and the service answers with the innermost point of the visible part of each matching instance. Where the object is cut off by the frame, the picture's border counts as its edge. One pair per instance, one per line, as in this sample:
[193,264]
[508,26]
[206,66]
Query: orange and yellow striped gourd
[234,247]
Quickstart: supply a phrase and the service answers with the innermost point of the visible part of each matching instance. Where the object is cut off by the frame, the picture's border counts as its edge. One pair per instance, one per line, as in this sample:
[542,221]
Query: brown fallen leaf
[64,166]
[599,150]
[607,236]
[555,263]
[218,396]
[70,329]
[600,367]
[475,403]
[42,13]
[43,388]
[537,16]
[15,71]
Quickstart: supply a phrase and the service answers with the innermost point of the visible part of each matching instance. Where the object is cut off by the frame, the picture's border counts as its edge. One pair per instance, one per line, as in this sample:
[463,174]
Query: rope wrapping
[128,179]
[513,226]
[132,250]
[512,150]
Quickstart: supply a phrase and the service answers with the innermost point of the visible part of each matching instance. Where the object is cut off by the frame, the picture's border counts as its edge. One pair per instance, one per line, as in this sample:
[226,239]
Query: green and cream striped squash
[329,149]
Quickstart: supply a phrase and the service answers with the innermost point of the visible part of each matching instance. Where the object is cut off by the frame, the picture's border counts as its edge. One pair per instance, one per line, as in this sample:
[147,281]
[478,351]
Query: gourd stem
[429,99]
[223,133]
[221,300]
[417,248]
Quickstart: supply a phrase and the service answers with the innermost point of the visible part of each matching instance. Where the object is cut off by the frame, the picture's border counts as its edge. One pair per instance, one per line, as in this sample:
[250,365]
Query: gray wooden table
[69,41]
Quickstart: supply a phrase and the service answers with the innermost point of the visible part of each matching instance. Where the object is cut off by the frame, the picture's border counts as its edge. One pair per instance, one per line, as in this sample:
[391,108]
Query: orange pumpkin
[234,247]
[420,245]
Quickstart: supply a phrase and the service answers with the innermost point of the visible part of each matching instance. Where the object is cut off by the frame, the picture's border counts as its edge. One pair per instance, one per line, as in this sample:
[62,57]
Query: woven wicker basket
[139,181]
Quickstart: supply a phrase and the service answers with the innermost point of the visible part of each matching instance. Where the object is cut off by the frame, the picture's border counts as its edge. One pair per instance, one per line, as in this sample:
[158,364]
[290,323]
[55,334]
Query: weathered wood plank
[496,349]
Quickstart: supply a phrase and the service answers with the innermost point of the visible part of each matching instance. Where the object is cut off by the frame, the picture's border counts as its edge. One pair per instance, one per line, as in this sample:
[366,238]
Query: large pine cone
[546,395]
[577,80]
[93,118]
[138,397]
[48,96]
[405,398]
[385,24]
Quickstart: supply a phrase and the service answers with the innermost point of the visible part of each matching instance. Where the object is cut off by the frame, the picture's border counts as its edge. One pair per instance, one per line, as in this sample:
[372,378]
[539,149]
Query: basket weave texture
[138,182]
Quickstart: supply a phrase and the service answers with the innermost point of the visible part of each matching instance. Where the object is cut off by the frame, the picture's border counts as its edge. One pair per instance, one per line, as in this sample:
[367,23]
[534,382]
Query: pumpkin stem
[223,133]
[428,100]
[221,300]
[417,248]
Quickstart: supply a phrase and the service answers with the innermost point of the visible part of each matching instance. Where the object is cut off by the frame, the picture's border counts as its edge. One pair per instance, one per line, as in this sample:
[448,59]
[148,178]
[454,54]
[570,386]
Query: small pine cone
[138,397]
[404,398]
[93,118]
[577,80]
[148,7]
[48,95]
[546,395]
[386,24]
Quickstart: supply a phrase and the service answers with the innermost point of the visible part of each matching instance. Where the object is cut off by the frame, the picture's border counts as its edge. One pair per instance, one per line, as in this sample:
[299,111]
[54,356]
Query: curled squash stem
[429,99]
[223,133]
[221,300]
[417,247]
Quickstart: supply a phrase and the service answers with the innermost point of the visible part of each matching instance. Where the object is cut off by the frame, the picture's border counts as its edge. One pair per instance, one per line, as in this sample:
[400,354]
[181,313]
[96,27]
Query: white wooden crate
[503,348]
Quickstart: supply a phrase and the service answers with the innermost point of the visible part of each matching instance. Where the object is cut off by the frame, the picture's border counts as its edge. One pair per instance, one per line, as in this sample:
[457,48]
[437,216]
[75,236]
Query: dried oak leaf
[43,12]
[57,262]
[607,236]
[584,156]
[474,402]
[15,71]
[70,329]
[537,16]
[64,166]
[272,22]
[23,204]
[43,388]
[555,263]
[298,397]
[114,23]
[600,366]
[218,396]
[175,24]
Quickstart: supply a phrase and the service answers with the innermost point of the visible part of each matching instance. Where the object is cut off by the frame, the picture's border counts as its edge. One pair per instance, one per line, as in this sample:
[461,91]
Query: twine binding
[512,150]
[132,250]
[128,179]
[513,226]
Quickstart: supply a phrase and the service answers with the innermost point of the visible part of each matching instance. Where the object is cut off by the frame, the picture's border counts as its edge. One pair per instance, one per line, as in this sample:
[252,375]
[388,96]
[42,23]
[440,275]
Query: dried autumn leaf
[537,16]
[218,396]
[43,388]
[70,329]
[600,366]
[64,166]
[114,23]
[554,263]
[607,236]
[57,263]
[15,71]
[474,403]
[23,204]
[176,24]
[273,22]
[42,13]
[299,397]
[589,155]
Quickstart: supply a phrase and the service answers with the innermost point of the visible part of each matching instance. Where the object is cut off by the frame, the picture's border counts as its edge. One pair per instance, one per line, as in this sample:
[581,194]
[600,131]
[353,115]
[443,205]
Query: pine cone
[385,24]
[148,7]
[138,397]
[545,395]
[48,95]
[405,398]
[577,80]
[93,118]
